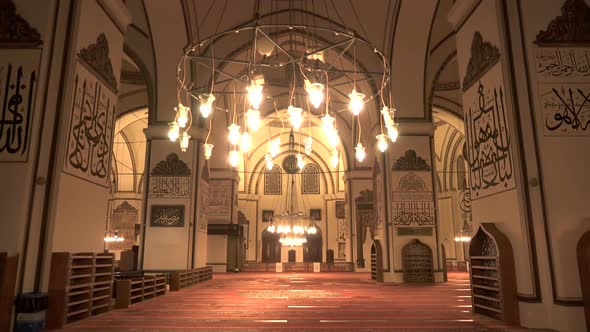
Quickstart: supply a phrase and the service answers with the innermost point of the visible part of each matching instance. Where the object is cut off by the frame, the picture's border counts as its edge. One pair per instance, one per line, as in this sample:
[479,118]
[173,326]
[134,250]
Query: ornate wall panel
[202,220]
[90,134]
[167,216]
[124,219]
[170,178]
[487,134]
[220,194]
[412,195]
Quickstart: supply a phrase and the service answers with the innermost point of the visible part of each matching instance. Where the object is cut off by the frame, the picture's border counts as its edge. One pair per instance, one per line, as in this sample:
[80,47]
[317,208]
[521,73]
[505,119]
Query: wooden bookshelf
[376,262]
[80,285]
[130,291]
[8,269]
[493,277]
[183,279]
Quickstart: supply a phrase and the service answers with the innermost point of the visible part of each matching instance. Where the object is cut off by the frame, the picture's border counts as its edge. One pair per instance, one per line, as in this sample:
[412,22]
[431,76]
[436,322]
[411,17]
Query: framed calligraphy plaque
[167,216]
[19,70]
[564,93]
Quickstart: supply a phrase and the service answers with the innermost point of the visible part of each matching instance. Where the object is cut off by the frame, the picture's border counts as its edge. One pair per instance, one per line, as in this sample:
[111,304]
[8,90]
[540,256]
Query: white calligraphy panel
[90,135]
[19,74]
[487,135]
[412,199]
[563,74]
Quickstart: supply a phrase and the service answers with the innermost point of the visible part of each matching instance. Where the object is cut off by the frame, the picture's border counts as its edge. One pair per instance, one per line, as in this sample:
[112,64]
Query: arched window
[272,181]
[310,179]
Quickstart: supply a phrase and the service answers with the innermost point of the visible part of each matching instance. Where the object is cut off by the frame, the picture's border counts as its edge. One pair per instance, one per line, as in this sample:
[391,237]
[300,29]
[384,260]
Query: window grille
[310,178]
[272,181]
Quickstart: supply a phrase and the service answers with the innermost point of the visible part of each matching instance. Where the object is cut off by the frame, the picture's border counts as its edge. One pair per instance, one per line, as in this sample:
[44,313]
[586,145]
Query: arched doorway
[271,247]
[312,249]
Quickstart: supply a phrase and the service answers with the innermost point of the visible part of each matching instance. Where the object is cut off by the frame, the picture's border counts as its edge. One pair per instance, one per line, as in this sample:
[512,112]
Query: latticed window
[310,179]
[272,181]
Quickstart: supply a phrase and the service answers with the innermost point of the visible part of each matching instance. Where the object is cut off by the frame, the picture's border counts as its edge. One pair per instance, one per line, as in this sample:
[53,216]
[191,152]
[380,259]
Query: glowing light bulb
[268,159]
[234,158]
[173,132]
[386,116]
[328,123]
[245,142]
[234,134]
[308,143]
[356,103]
[271,228]
[333,138]
[312,230]
[382,142]
[206,104]
[184,141]
[334,159]
[300,162]
[315,92]
[392,132]
[182,117]
[275,145]
[253,119]
[295,116]
[360,152]
[208,150]
[254,95]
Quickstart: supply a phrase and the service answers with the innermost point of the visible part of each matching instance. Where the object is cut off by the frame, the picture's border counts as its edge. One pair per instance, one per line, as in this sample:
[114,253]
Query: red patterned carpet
[301,301]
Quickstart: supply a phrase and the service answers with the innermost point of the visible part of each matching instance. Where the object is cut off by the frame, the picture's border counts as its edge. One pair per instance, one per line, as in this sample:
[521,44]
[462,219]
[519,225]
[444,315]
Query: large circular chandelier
[292,228]
[293,73]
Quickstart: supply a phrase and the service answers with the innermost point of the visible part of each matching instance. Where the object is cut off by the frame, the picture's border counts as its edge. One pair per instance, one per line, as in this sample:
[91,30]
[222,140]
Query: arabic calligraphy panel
[167,216]
[91,128]
[203,206]
[19,70]
[412,199]
[488,141]
[565,64]
[169,186]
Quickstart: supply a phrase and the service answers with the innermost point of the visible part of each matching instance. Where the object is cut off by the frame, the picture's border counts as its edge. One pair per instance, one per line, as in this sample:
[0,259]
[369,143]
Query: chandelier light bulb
[333,138]
[328,124]
[184,141]
[173,132]
[275,145]
[387,119]
[356,103]
[234,134]
[334,158]
[268,159]
[360,152]
[308,143]
[234,158]
[300,162]
[253,119]
[392,132]
[382,142]
[264,46]
[312,230]
[245,142]
[182,115]
[254,95]
[208,150]
[206,104]
[295,116]
[315,92]
[271,228]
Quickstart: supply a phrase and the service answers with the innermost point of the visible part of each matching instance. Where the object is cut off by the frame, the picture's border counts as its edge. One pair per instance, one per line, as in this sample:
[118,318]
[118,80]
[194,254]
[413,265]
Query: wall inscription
[219,197]
[93,111]
[488,141]
[167,216]
[19,70]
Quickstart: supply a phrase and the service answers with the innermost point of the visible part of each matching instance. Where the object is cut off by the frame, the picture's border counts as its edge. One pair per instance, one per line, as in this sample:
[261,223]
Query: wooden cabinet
[493,278]
[376,261]
[130,291]
[80,285]
[182,279]
[8,268]
[417,263]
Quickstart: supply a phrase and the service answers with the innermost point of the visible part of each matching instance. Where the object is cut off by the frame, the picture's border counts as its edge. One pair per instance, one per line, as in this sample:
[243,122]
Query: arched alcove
[417,263]
[377,261]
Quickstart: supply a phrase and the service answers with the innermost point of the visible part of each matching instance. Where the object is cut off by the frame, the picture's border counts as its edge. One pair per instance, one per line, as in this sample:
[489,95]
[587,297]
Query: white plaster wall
[217,252]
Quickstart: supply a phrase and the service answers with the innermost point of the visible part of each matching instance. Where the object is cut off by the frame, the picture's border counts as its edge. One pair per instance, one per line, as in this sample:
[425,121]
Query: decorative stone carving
[340,209]
[417,262]
[97,57]
[572,26]
[484,56]
[411,162]
[172,166]
[412,202]
[14,29]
